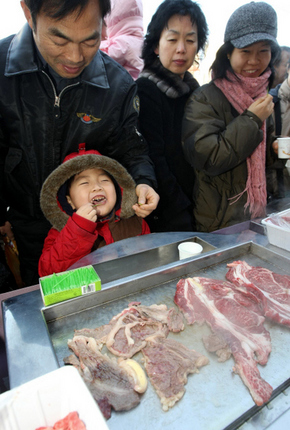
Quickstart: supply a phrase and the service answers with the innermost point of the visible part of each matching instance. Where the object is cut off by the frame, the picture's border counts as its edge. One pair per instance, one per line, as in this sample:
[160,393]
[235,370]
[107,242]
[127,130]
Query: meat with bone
[126,332]
[271,289]
[167,363]
[109,384]
[134,324]
[129,333]
[236,317]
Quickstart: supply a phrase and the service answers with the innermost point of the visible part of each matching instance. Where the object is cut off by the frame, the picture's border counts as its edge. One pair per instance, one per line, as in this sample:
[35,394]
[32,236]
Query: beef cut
[270,288]
[131,327]
[234,316]
[167,363]
[108,383]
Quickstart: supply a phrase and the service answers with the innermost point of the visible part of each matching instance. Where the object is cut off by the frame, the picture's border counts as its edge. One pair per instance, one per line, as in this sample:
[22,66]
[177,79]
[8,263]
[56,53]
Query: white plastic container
[47,399]
[278,235]
[189,249]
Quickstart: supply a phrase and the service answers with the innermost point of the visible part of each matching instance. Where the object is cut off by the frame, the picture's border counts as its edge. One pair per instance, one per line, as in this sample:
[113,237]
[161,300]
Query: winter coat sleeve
[284,95]
[214,140]
[64,248]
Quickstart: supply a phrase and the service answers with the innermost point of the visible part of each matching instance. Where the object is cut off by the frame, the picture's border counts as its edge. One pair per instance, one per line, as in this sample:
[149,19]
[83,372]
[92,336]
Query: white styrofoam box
[47,399]
[277,234]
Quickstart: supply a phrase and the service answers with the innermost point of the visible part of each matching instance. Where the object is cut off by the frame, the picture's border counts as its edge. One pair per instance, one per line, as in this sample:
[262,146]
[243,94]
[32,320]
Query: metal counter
[30,349]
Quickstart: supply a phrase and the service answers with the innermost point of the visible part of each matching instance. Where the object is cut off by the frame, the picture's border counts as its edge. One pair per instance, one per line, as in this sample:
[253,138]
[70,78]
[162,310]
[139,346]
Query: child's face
[93,186]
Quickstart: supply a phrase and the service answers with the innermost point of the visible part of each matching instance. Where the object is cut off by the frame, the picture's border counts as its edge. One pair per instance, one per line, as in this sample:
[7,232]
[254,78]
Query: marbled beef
[236,317]
[271,289]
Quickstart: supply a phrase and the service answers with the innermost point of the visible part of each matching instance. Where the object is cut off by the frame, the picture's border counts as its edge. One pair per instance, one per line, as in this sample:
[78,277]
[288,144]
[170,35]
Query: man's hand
[147,200]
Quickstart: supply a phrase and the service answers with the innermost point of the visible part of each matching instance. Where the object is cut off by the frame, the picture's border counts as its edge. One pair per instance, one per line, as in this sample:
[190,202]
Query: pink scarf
[241,92]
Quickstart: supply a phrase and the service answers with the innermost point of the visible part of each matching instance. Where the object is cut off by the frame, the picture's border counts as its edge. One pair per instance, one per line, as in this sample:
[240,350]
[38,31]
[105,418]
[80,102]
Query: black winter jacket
[39,127]
[163,96]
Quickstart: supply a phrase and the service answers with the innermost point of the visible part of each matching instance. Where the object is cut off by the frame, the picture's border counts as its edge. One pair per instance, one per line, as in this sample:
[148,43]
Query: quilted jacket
[216,142]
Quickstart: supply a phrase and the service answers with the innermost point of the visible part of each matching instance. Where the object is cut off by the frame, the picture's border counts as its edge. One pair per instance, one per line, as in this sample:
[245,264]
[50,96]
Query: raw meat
[236,317]
[167,363]
[99,333]
[109,384]
[270,288]
[125,334]
[133,325]
[136,328]
[70,422]
[215,343]
[161,313]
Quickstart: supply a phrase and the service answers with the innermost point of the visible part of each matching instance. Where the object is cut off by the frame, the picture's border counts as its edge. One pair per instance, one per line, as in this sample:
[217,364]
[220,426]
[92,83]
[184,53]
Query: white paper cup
[283,147]
[188,249]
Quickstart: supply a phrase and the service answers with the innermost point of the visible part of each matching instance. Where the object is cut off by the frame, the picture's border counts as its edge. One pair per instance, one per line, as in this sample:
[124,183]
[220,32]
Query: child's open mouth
[97,201]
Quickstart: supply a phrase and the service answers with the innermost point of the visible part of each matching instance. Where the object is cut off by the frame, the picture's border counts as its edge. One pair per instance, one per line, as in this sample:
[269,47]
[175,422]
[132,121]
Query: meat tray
[216,398]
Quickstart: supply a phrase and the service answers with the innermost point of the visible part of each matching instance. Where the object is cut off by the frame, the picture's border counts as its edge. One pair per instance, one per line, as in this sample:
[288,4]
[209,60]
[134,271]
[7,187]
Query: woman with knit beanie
[227,124]
[177,31]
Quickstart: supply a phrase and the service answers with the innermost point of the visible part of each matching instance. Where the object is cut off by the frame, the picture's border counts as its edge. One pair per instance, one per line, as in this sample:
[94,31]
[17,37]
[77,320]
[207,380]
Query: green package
[67,285]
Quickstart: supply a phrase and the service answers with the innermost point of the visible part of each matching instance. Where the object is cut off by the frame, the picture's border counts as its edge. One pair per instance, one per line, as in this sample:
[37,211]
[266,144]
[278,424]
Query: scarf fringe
[241,92]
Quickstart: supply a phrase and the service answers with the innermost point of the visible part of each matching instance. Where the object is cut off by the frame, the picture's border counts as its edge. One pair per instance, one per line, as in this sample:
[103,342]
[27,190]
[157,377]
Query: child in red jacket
[88,200]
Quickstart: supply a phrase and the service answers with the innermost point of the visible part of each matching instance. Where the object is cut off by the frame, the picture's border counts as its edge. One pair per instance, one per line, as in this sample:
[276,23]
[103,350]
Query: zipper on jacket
[57,97]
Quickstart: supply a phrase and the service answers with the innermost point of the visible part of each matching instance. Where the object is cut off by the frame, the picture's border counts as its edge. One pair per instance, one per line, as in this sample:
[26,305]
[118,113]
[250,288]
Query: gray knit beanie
[251,23]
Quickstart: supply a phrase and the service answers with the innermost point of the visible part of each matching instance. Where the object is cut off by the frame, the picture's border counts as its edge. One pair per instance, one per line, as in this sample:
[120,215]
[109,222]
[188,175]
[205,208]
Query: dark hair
[222,64]
[59,9]
[160,20]
[279,55]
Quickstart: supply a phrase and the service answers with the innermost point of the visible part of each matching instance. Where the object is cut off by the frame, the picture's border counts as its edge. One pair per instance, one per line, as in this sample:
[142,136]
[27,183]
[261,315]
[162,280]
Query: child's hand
[262,107]
[87,211]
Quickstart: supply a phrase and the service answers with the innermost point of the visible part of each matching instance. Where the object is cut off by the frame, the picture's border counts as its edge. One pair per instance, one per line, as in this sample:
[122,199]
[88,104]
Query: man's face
[68,45]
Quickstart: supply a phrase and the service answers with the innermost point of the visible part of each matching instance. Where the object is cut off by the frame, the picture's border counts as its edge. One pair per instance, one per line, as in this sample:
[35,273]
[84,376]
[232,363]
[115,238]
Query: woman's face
[252,60]
[178,44]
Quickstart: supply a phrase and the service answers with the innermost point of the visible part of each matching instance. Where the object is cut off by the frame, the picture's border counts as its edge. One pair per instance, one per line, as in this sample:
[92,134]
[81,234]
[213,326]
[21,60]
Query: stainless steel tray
[215,398]
[145,260]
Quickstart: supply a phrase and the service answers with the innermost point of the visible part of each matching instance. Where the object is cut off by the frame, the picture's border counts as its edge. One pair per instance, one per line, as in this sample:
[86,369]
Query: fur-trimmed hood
[76,163]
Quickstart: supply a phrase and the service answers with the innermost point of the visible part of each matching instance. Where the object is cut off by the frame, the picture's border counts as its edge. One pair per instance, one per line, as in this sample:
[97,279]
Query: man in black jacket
[58,90]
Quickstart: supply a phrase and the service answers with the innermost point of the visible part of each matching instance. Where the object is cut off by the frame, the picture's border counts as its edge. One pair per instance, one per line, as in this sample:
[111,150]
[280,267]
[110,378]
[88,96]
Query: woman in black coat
[177,31]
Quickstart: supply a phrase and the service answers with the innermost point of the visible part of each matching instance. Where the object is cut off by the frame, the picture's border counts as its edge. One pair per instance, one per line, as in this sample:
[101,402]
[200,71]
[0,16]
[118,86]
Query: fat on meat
[161,313]
[131,327]
[272,289]
[109,384]
[129,333]
[236,317]
[99,334]
[167,363]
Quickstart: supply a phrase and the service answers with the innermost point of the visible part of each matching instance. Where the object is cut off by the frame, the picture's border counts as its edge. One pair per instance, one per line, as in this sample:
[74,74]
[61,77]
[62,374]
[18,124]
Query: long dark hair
[160,20]
[59,9]
[222,64]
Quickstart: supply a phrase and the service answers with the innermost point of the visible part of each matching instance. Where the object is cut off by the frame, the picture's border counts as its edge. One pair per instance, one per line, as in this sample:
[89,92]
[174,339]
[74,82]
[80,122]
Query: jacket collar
[169,83]
[22,58]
